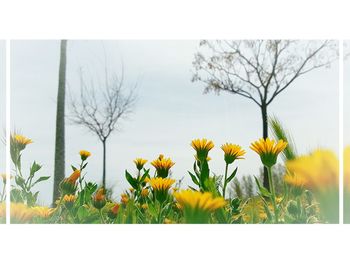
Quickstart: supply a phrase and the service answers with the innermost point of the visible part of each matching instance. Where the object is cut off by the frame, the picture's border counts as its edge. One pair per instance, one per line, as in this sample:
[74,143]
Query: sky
[170,110]
[346,100]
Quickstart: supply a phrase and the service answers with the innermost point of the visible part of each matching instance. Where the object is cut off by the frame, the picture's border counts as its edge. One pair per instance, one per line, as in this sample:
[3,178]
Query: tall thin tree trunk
[59,168]
[265,135]
[104,164]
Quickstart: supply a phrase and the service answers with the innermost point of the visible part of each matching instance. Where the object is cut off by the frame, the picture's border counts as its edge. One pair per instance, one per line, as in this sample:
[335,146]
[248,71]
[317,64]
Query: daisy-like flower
[21,140]
[84,154]
[68,185]
[197,206]
[113,212]
[124,198]
[232,152]
[139,162]
[202,147]
[268,150]
[160,187]
[99,199]
[162,166]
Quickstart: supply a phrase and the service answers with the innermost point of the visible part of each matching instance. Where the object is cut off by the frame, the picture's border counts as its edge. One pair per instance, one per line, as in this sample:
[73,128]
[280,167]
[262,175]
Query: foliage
[157,199]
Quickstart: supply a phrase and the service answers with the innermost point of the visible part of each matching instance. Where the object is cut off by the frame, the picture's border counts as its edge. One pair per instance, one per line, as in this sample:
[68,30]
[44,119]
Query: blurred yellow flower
[162,166]
[20,213]
[319,169]
[84,154]
[268,150]
[232,152]
[295,180]
[139,162]
[144,192]
[144,206]
[199,201]
[202,147]
[43,211]
[124,198]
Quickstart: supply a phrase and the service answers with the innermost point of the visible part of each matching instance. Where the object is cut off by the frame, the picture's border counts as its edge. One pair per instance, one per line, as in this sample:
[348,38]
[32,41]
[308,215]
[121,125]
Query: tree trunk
[104,164]
[59,167]
[265,135]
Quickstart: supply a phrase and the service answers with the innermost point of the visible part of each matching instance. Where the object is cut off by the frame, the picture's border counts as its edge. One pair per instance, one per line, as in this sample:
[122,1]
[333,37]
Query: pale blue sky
[347,94]
[171,110]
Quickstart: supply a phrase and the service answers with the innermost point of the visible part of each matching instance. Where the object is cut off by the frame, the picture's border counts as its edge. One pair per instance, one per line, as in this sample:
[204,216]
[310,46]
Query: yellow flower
[167,221]
[20,213]
[253,211]
[162,166]
[43,211]
[144,192]
[268,150]
[160,187]
[69,198]
[124,198]
[295,180]
[99,200]
[321,173]
[160,184]
[319,169]
[202,147]
[74,177]
[139,162]
[22,140]
[84,154]
[232,152]
[199,201]
[144,206]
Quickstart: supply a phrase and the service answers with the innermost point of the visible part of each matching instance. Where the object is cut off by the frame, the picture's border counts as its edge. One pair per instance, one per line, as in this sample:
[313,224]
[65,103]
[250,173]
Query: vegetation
[307,193]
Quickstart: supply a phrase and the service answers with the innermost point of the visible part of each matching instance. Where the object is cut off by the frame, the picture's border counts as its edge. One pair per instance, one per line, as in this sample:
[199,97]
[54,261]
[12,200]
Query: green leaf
[73,168]
[232,175]
[84,166]
[146,174]
[82,213]
[34,168]
[194,178]
[263,190]
[42,178]
[132,181]
[19,181]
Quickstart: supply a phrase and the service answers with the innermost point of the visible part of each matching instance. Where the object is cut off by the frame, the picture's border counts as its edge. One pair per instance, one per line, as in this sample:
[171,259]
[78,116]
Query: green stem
[273,194]
[101,215]
[225,181]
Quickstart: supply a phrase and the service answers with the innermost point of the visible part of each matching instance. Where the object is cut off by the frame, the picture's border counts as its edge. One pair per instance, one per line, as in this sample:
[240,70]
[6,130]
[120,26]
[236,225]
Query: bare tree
[100,110]
[60,123]
[259,70]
